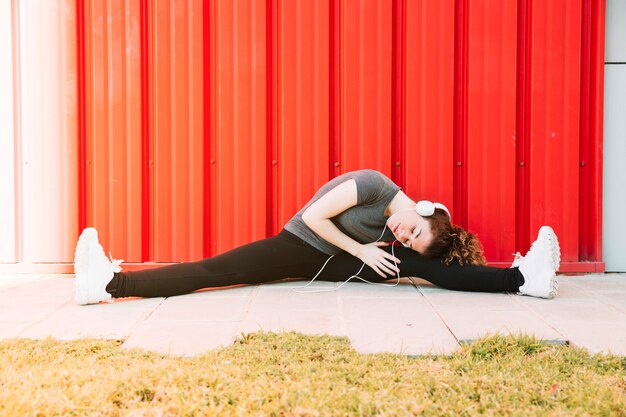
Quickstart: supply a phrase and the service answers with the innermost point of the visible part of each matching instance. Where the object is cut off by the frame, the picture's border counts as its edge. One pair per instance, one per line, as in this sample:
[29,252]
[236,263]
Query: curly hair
[452,243]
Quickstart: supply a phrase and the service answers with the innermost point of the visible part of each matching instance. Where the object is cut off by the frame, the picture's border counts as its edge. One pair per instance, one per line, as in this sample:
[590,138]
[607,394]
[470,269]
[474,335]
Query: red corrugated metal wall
[203,125]
[207,124]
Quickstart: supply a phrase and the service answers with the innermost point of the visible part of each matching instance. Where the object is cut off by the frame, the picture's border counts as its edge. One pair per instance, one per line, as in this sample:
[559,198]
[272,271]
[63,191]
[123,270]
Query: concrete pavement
[412,318]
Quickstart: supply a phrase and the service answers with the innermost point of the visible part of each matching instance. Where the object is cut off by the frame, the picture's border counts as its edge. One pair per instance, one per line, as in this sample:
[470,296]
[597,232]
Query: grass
[290,374]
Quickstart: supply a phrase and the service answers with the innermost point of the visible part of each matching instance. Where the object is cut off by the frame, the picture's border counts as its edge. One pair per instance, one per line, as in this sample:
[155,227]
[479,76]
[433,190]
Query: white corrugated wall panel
[8,251]
[48,128]
[614,199]
[615,31]
[614,204]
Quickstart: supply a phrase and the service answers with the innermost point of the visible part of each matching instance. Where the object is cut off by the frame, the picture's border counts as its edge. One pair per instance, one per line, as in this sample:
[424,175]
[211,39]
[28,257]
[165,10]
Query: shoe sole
[547,236]
[82,255]
[546,233]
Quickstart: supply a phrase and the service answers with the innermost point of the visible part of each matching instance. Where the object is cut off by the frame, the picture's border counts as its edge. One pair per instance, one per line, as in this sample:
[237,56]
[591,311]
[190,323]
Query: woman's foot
[540,264]
[92,268]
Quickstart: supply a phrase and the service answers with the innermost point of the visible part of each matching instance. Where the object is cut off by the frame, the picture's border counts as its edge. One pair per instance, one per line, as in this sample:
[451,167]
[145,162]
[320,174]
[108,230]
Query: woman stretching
[342,233]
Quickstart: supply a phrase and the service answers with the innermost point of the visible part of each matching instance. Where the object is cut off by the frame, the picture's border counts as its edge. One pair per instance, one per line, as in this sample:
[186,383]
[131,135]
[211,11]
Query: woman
[339,233]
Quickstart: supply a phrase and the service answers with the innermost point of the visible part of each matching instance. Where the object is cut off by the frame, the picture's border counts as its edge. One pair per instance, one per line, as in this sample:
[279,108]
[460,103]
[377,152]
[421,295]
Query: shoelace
[115,263]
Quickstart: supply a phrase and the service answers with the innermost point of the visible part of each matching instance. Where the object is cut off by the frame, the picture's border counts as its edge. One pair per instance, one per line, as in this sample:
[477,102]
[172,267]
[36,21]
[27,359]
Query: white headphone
[427,208]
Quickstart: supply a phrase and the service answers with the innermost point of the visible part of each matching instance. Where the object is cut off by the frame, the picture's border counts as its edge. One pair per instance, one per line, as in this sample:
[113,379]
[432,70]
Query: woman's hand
[377,259]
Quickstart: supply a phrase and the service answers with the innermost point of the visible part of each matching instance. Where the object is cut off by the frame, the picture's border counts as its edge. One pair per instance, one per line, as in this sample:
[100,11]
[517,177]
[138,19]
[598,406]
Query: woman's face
[411,230]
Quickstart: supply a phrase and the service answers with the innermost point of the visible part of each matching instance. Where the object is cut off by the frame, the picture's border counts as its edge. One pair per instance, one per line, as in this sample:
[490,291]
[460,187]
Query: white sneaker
[540,264]
[92,268]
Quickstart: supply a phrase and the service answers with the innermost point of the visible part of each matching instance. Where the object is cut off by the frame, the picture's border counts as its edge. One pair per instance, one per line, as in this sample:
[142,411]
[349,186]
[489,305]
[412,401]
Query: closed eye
[415,237]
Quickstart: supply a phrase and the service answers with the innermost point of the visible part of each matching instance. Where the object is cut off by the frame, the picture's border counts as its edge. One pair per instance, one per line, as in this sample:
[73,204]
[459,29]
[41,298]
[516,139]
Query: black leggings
[287,256]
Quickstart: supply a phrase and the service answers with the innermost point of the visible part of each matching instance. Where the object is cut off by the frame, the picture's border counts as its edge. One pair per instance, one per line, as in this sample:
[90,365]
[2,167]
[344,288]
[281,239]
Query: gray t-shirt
[363,222]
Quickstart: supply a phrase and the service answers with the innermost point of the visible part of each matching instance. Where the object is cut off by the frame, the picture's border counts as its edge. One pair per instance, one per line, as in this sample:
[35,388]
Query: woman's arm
[317,217]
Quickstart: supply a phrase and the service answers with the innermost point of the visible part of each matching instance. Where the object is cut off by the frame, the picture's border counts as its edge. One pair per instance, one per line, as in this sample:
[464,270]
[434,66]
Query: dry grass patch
[290,374]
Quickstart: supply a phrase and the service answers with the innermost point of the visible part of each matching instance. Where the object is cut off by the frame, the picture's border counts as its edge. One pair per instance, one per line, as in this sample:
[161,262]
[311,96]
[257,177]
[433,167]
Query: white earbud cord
[306,289]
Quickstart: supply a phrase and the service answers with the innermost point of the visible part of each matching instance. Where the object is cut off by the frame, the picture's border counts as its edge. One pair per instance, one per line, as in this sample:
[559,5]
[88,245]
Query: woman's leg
[452,277]
[278,257]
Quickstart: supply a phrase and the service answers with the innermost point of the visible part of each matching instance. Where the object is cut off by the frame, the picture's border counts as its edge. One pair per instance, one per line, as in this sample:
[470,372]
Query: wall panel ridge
[113,125]
[303,95]
[366,44]
[491,142]
[554,121]
[182,129]
[176,131]
[9,133]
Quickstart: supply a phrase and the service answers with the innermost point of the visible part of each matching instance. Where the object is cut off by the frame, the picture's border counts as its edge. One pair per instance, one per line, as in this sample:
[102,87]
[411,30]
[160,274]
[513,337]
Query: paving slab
[276,308]
[202,307]
[413,318]
[182,338]
[606,336]
[471,324]
[410,327]
[11,330]
[8,281]
[366,309]
[390,289]
[610,288]
[191,324]
[35,300]
[598,282]
[283,297]
[429,336]
[107,320]
[323,322]
[470,316]
[584,319]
